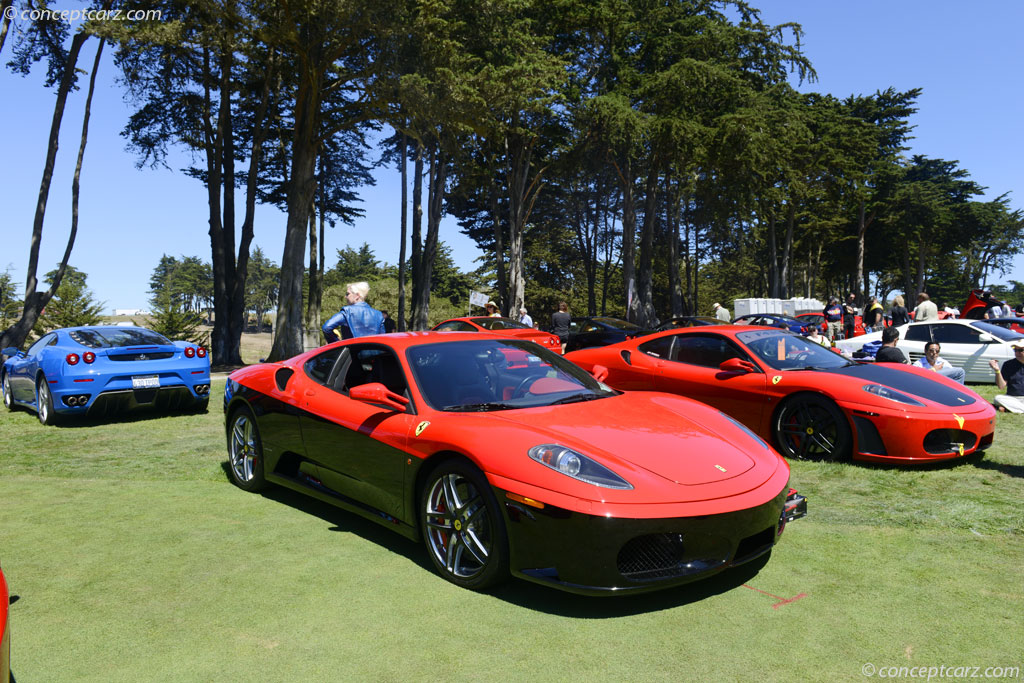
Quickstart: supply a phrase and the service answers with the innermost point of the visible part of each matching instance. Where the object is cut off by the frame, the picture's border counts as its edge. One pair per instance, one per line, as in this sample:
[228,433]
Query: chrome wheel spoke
[475,547]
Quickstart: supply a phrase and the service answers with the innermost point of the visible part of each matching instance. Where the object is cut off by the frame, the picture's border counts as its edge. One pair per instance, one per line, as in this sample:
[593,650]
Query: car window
[319,366]
[917,333]
[784,350]
[369,363]
[500,324]
[455,326]
[659,348]
[998,332]
[43,341]
[590,327]
[955,334]
[706,350]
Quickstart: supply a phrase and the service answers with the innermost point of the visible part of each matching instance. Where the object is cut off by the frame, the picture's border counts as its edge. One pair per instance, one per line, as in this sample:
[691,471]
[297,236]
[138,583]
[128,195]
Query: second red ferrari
[805,399]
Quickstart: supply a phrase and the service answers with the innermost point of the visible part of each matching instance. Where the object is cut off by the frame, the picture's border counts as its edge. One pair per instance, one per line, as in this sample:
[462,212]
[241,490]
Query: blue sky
[967,62]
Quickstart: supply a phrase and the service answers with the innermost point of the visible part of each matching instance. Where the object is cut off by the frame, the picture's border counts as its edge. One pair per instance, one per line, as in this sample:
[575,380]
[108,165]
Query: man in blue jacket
[358,319]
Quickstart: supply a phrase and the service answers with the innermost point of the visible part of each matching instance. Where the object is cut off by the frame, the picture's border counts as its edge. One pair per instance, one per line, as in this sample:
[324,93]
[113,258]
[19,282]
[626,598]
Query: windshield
[500,324]
[786,351]
[110,337]
[484,375]
[998,332]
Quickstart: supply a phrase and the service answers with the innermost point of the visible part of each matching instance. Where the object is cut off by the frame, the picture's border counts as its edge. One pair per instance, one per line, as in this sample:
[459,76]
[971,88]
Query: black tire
[462,526]
[810,427]
[8,399]
[44,403]
[245,451]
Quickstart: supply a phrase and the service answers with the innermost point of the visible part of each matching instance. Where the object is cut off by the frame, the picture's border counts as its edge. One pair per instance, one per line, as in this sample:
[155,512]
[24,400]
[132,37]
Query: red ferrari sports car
[504,326]
[504,458]
[807,400]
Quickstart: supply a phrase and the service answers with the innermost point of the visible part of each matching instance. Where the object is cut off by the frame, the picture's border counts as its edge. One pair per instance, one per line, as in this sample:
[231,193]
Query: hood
[674,438]
[907,382]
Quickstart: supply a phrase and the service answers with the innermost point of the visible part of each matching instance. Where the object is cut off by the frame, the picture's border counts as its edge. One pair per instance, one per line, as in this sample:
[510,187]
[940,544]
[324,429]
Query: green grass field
[133,559]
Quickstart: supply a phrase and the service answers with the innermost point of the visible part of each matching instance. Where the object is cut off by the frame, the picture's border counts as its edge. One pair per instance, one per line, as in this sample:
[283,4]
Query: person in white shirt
[721,312]
[926,309]
[932,361]
[525,318]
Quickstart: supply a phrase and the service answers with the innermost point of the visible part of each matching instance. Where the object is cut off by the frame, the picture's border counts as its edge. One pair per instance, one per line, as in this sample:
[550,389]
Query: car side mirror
[986,338]
[737,365]
[11,352]
[376,393]
[599,372]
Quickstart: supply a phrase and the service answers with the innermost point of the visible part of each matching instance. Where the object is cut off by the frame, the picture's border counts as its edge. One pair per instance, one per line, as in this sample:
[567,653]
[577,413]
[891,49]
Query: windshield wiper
[576,398]
[476,407]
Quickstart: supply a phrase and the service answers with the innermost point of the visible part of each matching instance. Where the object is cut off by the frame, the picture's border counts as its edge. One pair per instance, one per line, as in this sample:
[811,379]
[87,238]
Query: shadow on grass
[520,592]
[552,601]
[1001,467]
[137,415]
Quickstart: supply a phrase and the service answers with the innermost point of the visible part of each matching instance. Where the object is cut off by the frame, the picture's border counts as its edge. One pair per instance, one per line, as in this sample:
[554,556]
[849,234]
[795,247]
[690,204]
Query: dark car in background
[585,333]
[690,321]
[779,320]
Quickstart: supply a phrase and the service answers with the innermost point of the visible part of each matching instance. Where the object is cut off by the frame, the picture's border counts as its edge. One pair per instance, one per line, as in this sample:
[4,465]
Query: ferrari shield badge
[776,379]
[421,426]
[959,420]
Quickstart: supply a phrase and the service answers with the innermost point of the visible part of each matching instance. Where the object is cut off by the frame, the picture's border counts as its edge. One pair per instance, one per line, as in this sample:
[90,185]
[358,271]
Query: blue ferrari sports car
[100,370]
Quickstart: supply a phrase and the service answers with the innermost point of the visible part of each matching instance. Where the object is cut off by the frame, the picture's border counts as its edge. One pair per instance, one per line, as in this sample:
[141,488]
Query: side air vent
[282,376]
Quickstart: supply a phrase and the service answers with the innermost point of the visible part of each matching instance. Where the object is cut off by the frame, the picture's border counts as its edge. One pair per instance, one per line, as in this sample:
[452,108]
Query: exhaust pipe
[72,401]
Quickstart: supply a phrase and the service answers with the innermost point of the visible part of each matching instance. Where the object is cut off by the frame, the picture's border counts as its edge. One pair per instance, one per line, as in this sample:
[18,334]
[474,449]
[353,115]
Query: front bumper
[884,435]
[596,555]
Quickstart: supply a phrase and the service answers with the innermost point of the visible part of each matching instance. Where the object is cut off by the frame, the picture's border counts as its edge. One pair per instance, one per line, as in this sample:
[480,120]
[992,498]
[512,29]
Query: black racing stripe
[907,382]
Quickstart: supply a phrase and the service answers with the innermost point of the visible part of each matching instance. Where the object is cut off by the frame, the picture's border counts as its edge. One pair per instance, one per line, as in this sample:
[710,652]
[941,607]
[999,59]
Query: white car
[967,344]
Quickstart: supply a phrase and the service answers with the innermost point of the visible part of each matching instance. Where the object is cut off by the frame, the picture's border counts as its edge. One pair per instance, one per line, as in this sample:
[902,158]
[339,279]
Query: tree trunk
[417,241]
[672,216]
[773,258]
[646,316]
[628,240]
[237,311]
[787,249]
[222,235]
[5,21]
[522,193]
[437,177]
[36,301]
[499,247]
[288,331]
[403,231]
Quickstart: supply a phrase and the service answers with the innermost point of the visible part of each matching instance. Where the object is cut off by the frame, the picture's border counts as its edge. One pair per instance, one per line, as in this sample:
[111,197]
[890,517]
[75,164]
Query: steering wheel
[523,388]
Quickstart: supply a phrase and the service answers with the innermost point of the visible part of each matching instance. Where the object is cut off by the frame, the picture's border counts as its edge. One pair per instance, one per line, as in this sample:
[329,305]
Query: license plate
[146,382]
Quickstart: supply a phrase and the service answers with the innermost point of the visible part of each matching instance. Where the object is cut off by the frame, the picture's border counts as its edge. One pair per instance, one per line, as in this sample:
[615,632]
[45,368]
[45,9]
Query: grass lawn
[133,558]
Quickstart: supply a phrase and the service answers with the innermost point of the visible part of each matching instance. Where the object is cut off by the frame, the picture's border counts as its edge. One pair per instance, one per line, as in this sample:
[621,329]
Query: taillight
[201,352]
[72,359]
[88,356]
[189,352]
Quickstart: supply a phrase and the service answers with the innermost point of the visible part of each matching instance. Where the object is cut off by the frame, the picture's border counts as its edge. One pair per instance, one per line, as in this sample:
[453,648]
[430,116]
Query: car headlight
[891,394]
[578,466]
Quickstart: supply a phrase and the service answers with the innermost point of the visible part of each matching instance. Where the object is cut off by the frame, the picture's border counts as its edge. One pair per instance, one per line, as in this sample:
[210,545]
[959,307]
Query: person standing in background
[926,309]
[358,319]
[560,320]
[525,318]
[898,313]
[721,312]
